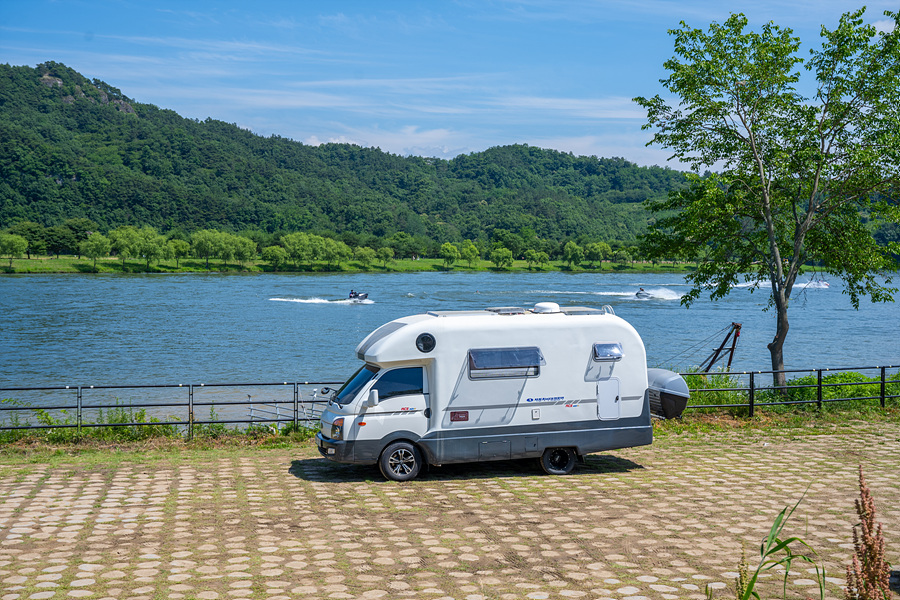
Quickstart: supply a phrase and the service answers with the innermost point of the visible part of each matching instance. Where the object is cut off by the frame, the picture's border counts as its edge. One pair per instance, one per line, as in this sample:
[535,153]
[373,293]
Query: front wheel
[400,461]
[558,461]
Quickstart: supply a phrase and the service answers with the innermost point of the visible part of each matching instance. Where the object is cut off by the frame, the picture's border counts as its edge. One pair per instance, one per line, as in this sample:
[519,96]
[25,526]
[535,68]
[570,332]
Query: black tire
[400,461]
[558,461]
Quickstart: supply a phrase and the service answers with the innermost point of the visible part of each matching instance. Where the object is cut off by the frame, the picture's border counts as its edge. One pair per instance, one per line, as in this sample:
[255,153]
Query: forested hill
[78,148]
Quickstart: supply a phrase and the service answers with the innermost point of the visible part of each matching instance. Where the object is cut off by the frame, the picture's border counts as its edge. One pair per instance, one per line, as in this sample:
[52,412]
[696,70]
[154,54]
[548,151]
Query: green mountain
[74,148]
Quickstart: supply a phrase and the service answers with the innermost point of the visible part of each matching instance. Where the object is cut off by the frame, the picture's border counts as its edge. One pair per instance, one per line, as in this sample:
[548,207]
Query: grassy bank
[60,439]
[72,264]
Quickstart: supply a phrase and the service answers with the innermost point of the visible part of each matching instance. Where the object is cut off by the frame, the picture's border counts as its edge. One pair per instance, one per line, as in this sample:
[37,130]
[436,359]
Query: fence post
[296,406]
[191,411]
[78,411]
[752,395]
[882,387]
[819,389]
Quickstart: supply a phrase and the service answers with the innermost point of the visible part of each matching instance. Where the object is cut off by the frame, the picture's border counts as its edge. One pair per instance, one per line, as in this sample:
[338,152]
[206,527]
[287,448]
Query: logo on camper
[549,399]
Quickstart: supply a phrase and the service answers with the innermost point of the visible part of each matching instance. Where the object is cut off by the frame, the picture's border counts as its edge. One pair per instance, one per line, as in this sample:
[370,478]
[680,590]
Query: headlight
[337,429]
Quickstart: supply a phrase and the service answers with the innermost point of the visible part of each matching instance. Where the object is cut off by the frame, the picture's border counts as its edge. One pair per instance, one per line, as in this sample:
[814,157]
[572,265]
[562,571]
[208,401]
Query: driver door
[402,400]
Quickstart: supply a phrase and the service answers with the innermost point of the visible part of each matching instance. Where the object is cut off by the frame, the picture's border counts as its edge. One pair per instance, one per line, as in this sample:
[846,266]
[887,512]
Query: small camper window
[608,352]
[399,382]
[491,363]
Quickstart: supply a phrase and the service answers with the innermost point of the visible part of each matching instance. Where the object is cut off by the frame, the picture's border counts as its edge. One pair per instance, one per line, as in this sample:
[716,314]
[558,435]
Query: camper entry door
[608,399]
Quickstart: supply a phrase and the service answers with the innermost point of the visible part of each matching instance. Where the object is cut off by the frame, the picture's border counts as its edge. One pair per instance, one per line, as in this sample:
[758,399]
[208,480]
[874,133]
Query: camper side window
[399,382]
[608,352]
[493,363]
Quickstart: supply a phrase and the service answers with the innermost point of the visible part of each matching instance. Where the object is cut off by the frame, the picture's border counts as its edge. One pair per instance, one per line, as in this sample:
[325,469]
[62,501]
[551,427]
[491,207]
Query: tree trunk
[776,346]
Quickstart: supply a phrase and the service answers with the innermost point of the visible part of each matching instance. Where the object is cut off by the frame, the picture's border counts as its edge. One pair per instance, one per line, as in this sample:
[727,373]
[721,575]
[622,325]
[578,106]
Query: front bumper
[336,450]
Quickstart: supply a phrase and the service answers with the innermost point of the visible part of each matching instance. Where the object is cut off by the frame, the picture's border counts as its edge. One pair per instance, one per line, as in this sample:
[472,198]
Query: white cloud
[885,25]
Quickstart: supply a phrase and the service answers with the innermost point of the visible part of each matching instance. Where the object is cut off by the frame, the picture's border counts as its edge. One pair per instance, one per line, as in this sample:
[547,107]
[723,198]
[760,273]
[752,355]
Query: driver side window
[400,382]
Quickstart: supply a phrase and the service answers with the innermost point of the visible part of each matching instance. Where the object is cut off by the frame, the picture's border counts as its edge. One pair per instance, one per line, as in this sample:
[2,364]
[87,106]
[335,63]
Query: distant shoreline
[71,264]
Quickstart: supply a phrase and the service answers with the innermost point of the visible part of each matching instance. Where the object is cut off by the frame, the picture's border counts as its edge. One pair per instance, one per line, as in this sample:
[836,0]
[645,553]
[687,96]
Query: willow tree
[799,178]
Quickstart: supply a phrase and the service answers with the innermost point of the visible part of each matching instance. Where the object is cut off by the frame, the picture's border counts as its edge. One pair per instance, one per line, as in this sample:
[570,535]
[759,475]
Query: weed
[868,576]
[775,552]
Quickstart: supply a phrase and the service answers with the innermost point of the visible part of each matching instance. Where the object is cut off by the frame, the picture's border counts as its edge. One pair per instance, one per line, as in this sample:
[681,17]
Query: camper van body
[462,386]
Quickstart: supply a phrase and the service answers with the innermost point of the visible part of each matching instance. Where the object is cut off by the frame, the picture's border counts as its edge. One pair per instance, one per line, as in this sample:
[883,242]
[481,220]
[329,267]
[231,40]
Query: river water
[196,328]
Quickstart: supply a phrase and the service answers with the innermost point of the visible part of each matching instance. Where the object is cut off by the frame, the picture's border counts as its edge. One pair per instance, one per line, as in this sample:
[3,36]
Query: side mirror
[372,400]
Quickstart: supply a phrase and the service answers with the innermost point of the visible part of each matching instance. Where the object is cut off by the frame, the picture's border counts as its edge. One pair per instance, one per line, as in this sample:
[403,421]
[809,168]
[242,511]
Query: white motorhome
[501,383]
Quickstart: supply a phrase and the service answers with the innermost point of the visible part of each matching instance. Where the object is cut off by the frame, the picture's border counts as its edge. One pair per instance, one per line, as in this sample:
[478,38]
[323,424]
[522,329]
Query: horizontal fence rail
[756,389]
[186,406]
[193,407]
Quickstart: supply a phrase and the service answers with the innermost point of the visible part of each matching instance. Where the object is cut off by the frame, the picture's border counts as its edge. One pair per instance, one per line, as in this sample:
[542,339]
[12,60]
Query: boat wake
[747,284]
[660,293]
[815,284]
[322,301]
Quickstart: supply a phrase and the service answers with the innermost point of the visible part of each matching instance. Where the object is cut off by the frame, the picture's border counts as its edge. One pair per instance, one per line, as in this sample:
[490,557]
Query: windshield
[349,390]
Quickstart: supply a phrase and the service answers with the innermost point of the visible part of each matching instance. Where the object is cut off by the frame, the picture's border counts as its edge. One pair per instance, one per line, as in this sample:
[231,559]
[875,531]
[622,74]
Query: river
[194,328]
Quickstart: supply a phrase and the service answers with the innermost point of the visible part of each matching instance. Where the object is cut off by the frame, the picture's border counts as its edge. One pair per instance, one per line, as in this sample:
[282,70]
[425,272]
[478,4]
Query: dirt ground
[659,522]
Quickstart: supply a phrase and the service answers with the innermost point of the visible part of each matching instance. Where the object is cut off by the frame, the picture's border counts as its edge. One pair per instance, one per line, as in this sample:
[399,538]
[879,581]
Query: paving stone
[658,522]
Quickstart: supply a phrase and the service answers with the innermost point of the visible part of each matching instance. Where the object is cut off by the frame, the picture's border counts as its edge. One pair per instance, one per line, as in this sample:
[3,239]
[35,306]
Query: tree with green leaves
[34,233]
[82,228]
[13,246]
[275,256]
[150,245]
[364,256]
[469,253]
[124,242]
[449,254]
[572,253]
[596,252]
[60,239]
[204,244]
[536,257]
[797,177]
[244,248]
[385,255]
[180,249]
[297,247]
[225,247]
[502,257]
[335,251]
[95,246]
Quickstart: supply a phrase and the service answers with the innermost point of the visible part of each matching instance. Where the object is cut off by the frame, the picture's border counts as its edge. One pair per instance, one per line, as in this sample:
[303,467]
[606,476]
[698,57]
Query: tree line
[82,237]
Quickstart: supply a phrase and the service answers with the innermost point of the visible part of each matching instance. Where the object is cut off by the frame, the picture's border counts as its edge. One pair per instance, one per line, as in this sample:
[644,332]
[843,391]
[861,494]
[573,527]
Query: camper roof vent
[506,310]
[580,310]
[544,308]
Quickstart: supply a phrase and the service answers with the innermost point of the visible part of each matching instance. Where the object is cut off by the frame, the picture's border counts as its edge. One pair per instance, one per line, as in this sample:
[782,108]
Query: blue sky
[424,78]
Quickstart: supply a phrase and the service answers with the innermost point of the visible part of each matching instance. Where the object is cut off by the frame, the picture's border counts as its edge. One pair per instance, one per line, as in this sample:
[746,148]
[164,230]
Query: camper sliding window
[494,363]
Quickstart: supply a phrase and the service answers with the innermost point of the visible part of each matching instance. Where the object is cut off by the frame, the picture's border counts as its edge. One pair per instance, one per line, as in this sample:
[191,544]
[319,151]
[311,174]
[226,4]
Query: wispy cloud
[605,108]
[406,140]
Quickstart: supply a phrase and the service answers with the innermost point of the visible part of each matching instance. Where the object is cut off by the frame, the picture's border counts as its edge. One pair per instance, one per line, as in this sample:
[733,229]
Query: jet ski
[642,294]
[358,296]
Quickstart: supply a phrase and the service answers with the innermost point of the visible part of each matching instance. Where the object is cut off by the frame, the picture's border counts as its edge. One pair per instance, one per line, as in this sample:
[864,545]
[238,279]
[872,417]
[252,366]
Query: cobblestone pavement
[659,522]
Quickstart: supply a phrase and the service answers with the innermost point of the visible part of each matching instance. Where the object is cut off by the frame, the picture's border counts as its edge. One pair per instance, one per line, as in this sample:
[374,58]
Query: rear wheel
[558,461]
[400,461]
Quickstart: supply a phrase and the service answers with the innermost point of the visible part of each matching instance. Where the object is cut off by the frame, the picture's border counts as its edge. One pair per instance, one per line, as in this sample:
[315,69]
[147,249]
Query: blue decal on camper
[548,399]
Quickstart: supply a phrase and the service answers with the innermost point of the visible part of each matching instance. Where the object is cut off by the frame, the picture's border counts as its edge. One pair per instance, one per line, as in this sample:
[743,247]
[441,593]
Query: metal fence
[818,386]
[275,405]
[187,406]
